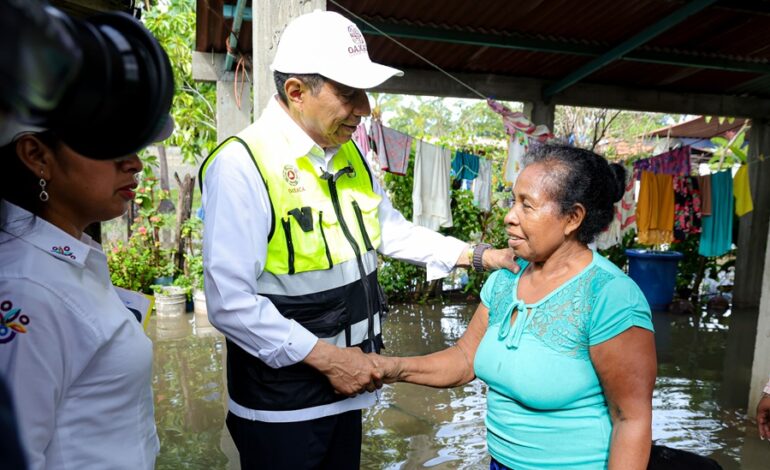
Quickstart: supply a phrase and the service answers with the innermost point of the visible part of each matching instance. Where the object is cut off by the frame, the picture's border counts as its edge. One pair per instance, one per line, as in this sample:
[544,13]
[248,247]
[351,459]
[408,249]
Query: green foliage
[135,264]
[729,152]
[192,277]
[172,22]
[617,253]
[129,264]
[463,124]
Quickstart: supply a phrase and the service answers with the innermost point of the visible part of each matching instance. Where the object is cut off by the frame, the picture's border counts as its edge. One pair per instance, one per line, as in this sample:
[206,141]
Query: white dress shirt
[237,217]
[77,361]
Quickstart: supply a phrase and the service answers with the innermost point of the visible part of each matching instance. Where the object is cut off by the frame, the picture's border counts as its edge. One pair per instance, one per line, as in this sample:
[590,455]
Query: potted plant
[169,300]
[142,261]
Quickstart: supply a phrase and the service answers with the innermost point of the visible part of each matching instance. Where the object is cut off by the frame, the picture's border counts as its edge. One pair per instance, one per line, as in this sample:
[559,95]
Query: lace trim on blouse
[561,320]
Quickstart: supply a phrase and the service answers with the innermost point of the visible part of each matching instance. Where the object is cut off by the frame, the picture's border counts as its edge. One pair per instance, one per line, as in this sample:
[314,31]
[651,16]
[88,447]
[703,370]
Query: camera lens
[120,99]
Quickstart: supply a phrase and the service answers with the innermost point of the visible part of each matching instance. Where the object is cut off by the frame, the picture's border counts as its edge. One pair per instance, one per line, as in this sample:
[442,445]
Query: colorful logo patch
[291,175]
[12,321]
[63,250]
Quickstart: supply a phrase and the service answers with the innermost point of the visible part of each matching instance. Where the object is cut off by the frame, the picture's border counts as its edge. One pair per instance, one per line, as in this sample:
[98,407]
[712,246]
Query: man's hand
[763,417]
[349,370]
[496,259]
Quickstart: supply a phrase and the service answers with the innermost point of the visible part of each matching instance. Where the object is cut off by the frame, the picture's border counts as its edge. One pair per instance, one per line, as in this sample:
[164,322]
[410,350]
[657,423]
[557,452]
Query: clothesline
[538,130]
[411,51]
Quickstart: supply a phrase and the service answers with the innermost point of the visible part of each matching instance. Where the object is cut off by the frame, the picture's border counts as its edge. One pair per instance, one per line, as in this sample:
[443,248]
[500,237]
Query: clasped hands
[350,370]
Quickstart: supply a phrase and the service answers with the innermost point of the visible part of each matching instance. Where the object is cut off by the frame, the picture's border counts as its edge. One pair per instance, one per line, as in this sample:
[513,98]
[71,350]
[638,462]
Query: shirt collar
[300,144]
[22,224]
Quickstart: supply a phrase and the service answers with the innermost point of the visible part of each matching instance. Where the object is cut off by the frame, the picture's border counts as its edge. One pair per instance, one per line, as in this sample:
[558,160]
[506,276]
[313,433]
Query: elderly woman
[565,345]
[77,362]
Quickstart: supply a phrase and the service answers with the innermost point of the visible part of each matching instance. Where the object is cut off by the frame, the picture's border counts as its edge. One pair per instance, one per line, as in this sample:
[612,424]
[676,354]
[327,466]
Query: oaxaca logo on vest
[359,45]
[291,176]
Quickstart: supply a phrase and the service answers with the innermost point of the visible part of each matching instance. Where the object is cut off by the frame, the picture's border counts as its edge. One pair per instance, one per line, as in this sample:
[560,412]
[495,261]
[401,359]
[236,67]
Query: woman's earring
[43,193]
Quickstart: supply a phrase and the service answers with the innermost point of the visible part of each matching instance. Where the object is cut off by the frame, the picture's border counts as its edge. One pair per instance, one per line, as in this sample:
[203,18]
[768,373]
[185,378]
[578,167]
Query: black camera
[103,84]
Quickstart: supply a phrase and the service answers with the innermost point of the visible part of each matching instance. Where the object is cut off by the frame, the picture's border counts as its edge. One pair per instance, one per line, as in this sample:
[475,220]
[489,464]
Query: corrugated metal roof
[212,29]
[736,33]
[699,128]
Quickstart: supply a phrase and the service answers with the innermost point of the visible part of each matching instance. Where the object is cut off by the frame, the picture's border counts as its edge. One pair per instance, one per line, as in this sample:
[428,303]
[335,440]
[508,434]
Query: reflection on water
[418,427]
[188,387]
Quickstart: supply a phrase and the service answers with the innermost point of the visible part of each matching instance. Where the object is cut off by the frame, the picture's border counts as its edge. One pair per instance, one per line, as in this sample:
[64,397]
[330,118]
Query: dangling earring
[43,193]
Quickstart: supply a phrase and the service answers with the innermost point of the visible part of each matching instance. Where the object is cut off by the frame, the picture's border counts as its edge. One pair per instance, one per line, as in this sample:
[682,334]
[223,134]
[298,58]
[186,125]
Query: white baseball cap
[327,43]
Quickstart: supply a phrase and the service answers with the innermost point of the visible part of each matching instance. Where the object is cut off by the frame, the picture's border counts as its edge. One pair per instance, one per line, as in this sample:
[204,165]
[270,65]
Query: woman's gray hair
[579,176]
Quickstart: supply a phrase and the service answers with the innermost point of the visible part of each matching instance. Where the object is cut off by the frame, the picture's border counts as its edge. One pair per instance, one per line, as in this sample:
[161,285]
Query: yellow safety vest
[320,218]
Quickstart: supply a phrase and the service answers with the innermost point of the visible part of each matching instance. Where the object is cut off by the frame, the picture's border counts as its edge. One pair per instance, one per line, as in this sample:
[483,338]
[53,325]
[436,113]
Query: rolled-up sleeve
[418,245]
[237,217]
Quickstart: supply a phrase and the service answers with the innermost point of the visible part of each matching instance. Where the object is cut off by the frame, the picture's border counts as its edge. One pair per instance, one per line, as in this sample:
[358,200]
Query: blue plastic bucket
[655,273]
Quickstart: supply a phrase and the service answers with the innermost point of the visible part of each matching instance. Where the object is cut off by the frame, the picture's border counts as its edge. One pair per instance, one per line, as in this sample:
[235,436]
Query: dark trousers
[333,443]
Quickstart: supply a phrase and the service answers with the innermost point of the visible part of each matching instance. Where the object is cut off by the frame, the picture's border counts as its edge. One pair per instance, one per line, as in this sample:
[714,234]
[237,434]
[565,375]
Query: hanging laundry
[518,122]
[717,231]
[430,193]
[687,212]
[742,192]
[482,185]
[361,139]
[465,165]
[624,219]
[517,147]
[655,209]
[675,162]
[704,185]
[392,148]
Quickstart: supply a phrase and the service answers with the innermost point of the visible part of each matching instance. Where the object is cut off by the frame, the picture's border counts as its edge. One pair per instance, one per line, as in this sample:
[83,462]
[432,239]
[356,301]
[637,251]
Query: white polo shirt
[237,217]
[78,363]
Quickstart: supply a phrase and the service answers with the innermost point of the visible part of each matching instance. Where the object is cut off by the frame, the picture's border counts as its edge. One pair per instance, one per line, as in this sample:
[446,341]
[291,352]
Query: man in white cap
[293,224]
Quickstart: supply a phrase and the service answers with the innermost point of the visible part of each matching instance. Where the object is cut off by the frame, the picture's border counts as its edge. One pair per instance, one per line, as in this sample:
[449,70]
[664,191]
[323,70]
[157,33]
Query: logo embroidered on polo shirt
[64,251]
[12,321]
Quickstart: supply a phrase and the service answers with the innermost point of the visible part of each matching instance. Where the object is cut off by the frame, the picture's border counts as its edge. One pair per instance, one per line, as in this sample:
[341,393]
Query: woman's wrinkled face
[535,226]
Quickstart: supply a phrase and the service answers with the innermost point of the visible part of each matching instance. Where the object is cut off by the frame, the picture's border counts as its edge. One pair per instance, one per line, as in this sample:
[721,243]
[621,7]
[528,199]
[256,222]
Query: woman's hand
[390,367]
[763,417]
[450,367]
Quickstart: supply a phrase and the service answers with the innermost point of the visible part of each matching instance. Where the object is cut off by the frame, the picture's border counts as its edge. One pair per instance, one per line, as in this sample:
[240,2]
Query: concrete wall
[270,18]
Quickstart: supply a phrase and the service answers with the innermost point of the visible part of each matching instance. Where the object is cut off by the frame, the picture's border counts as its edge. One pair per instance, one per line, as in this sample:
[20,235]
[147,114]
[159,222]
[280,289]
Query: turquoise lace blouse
[545,405]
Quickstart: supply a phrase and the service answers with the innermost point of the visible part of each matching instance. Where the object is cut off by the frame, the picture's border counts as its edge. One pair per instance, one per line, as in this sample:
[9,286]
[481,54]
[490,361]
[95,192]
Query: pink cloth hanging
[515,121]
[392,148]
[361,139]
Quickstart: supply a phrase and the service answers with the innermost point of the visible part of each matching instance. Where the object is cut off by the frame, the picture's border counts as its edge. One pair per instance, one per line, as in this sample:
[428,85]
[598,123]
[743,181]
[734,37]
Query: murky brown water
[416,427]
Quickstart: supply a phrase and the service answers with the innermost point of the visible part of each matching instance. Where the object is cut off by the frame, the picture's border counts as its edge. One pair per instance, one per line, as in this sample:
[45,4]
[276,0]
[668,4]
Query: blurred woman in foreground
[77,361]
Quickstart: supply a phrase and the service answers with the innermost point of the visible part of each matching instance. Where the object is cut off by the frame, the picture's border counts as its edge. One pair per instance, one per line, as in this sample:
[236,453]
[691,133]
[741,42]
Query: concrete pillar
[540,113]
[270,18]
[752,276]
[230,118]
[753,230]
[760,369]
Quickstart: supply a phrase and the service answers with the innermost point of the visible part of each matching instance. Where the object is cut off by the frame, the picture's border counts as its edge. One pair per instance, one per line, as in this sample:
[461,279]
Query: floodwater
[417,427]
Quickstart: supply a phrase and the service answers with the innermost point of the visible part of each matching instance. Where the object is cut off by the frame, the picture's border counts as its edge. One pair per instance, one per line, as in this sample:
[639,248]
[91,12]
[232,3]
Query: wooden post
[183,212]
